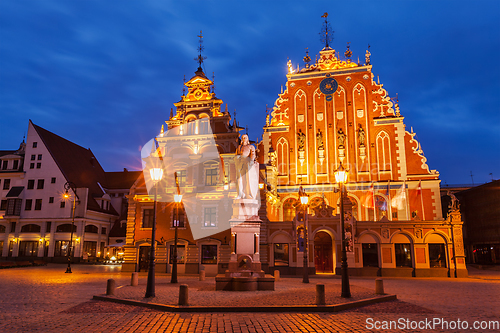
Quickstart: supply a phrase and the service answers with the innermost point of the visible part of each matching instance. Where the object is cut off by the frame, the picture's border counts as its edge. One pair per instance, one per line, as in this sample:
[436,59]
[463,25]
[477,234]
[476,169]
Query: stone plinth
[244,271]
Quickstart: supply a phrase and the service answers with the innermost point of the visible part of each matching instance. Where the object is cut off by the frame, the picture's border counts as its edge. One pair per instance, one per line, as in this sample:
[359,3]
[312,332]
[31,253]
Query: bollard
[134,281]
[379,286]
[110,288]
[320,294]
[276,275]
[202,275]
[183,294]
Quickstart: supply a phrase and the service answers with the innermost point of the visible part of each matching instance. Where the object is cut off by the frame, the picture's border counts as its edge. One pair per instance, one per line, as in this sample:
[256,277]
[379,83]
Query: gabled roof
[77,164]
[121,179]
[119,229]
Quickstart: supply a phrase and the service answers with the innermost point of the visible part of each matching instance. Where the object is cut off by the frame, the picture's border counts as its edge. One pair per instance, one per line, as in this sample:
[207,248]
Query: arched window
[383,151]
[91,228]
[30,228]
[289,209]
[65,228]
[283,156]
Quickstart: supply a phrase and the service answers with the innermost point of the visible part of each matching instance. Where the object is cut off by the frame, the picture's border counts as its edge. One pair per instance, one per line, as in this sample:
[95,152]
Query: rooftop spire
[200,58]
[326,32]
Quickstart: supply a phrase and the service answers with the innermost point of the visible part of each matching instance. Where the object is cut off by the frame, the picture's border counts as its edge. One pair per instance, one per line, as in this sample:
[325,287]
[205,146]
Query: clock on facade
[328,86]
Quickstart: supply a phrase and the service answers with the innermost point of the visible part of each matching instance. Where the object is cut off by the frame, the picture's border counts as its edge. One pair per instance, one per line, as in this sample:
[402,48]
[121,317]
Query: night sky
[105,74]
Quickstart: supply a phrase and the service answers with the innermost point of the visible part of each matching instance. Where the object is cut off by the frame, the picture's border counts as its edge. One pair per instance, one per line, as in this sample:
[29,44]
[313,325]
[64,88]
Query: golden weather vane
[326,32]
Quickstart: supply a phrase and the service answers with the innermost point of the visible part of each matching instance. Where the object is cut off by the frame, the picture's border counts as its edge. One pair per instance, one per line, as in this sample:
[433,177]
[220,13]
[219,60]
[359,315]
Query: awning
[15,191]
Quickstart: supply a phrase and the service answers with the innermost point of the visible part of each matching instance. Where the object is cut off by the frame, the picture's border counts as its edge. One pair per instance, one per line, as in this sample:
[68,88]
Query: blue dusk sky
[105,74]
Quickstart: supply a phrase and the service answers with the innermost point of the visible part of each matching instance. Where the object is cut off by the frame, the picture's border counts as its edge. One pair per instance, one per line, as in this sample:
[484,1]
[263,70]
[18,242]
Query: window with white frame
[211,177]
[210,217]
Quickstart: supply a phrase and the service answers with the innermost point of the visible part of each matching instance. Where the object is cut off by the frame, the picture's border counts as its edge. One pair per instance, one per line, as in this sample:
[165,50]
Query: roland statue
[247,170]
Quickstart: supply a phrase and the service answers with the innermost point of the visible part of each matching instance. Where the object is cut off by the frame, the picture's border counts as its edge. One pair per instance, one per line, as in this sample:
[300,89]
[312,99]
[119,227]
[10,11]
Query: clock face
[328,86]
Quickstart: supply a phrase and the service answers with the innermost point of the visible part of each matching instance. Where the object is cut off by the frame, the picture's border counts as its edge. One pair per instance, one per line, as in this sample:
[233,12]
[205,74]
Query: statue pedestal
[244,271]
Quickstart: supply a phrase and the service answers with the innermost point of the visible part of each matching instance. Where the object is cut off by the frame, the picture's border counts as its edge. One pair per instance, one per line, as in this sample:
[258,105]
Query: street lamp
[156,175]
[341,178]
[304,199]
[178,200]
[66,195]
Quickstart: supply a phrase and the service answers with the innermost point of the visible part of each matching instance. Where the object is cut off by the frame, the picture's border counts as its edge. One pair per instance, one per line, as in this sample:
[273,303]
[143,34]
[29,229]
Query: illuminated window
[437,255]
[289,209]
[209,254]
[90,248]
[181,177]
[28,249]
[281,255]
[211,177]
[403,255]
[61,248]
[210,217]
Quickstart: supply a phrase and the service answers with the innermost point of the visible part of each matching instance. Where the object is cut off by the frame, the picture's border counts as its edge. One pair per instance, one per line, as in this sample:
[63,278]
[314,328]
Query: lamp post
[178,200]
[341,178]
[156,175]
[303,202]
[67,187]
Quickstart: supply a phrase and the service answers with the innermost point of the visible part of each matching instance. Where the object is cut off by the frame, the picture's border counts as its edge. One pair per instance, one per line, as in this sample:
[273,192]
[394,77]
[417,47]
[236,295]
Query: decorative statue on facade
[454,206]
[247,170]
[341,138]
[367,55]
[361,136]
[319,140]
[301,138]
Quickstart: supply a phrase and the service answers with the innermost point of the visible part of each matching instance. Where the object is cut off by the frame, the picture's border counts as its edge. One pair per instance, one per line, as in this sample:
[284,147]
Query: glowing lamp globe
[177,198]
[156,174]
[341,174]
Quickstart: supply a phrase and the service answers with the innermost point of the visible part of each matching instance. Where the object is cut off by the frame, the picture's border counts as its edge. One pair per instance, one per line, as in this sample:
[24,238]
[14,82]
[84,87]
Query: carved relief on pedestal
[459,244]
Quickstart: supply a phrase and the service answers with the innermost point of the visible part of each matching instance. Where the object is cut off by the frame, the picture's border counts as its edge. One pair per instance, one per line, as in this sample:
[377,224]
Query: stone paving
[45,299]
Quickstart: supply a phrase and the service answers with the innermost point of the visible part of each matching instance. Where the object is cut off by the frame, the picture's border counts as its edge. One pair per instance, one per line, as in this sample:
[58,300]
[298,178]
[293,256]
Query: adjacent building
[36,220]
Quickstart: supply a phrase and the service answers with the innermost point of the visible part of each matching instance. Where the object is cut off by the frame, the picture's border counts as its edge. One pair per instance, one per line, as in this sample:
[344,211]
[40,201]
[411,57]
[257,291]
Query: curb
[288,308]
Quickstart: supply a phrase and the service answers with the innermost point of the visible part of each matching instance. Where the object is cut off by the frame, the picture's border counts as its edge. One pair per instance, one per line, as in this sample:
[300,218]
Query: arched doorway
[323,254]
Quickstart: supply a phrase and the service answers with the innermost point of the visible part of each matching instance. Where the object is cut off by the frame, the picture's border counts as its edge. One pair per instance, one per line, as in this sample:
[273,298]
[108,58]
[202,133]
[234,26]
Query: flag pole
[407,203]
[421,199]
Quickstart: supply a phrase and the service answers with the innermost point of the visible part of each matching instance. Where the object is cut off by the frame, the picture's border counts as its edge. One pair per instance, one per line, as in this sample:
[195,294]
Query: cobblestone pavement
[45,299]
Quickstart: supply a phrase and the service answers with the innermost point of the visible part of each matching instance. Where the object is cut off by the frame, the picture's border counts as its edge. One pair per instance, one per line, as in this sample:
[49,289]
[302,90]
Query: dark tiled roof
[121,179]
[7,152]
[78,165]
[119,229]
